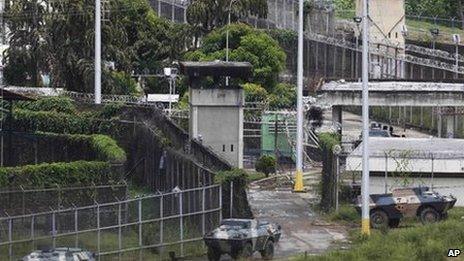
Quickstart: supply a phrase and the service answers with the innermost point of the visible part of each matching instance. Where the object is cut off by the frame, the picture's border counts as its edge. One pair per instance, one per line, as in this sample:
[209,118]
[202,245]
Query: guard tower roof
[216,69]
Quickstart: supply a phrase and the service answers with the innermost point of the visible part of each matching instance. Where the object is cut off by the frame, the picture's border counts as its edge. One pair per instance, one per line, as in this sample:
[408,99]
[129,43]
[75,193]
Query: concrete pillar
[337,117]
[450,126]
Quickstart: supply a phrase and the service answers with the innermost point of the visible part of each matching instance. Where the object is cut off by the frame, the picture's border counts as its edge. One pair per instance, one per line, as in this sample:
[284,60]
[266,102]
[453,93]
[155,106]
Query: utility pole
[97,51]
[365,226]
[299,114]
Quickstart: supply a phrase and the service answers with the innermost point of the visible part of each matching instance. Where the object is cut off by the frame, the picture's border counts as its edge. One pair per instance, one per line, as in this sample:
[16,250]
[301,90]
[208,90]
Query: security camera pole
[365,226]
[299,115]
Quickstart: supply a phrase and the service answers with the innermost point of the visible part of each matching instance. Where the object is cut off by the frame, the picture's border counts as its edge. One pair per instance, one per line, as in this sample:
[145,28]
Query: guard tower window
[396,35]
[389,35]
[232,148]
[223,147]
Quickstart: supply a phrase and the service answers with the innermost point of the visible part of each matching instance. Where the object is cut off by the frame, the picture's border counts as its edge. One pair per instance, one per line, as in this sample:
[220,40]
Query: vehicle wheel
[268,252]
[394,222]
[213,254]
[429,215]
[245,253]
[378,219]
[444,216]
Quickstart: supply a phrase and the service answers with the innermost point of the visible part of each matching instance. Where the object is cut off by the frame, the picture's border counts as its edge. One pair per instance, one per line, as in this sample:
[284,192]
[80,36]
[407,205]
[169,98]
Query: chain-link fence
[145,228]
[32,200]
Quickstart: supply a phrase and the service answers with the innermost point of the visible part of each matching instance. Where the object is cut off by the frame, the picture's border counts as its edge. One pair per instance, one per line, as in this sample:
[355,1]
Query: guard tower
[216,106]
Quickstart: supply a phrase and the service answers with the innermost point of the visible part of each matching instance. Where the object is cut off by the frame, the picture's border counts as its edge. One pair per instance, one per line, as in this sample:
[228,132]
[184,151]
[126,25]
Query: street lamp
[171,74]
[365,224]
[358,21]
[457,40]
[298,187]
[227,35]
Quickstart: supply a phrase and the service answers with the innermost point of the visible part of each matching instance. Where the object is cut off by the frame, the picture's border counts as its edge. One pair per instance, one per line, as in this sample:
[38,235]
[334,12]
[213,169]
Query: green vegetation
[63,174]
[55,104]
[107,148]
[266,164]
[245,44]
[135,39]
[207,15]
[327,142]
[409,242]
[346,214]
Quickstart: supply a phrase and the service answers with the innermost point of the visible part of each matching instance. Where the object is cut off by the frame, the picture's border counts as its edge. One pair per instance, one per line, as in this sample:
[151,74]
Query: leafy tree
[255,93]
[25,57]
[134,39]
[210,14]
[283,96]
[245,44]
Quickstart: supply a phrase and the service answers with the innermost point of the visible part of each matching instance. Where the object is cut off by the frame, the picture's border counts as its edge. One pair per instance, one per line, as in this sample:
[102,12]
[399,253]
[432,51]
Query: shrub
[266,165]
[241,207]
[110,110]
[56,104]
[63,174]
[107,148]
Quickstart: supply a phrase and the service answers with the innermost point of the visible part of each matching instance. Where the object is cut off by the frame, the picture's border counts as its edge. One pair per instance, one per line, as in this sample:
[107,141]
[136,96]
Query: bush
[107,149]
[57,122]
[63,174]
[55,104]
[266,165]
[241,208]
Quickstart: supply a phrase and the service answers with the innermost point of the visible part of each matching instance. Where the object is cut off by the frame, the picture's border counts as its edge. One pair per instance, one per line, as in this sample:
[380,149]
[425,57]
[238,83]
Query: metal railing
[152,222]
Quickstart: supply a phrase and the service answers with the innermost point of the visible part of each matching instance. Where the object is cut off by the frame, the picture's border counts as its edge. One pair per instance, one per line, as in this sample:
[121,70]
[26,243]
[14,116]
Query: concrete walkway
[300,233]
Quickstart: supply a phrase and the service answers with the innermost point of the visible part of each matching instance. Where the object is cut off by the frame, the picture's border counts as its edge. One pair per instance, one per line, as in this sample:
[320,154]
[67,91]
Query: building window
[232,148]
[223,148]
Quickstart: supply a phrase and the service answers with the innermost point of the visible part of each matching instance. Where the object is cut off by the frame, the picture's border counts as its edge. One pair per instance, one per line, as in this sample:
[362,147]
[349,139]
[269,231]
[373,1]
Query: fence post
[10,238]
[54,229]
[181,224]
[231,198]
[98,230]
[203,212]
[32,231]
[161,218]
[119,229]
[140,226]
[76,227]
[220,203]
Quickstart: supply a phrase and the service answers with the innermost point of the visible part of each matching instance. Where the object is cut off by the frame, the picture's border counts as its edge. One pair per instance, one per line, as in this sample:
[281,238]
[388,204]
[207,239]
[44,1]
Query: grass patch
[412,241]
[346,214]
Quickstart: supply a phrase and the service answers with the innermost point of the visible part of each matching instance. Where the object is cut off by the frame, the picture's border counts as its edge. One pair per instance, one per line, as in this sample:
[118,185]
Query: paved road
[300,232]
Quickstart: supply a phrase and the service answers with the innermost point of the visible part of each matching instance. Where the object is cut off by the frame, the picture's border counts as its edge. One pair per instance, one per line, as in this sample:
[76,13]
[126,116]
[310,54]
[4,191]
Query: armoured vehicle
[240,238]
[60,254]
[388,209]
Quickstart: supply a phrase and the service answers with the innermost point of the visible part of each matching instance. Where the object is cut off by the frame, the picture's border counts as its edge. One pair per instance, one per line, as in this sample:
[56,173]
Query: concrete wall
[388,17]
[217,121]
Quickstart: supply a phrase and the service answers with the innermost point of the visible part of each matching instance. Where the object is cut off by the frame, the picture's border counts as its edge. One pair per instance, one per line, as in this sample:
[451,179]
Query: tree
[134,39]
[255,93]
[210,14]
[245,44]
[25,57]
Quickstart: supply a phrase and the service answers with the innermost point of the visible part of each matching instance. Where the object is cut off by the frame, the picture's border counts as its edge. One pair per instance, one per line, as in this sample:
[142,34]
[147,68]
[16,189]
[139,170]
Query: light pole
[227,35]
[358,21]
[457,40]
[97,51]
[171,74]
[365,226]
[299,114]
